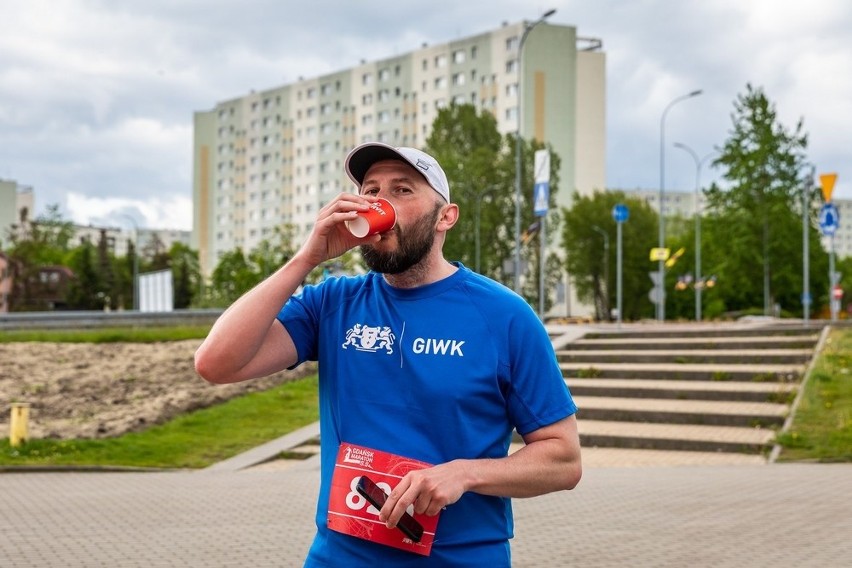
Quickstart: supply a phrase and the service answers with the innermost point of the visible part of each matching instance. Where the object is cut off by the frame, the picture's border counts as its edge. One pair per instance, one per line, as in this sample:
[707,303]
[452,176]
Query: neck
[424,272]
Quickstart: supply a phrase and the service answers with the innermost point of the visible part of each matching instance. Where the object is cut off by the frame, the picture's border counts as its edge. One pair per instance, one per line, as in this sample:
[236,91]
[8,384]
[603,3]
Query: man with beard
[463,362]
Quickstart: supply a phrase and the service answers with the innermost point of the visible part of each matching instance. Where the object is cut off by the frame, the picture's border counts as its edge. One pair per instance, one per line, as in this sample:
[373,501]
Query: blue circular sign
[829,219]
[620,213]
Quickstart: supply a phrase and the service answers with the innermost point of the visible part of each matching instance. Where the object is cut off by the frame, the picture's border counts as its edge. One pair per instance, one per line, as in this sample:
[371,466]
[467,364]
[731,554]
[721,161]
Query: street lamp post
[527,30]
[606,267]
[698,163]
[806,270]
[661,306]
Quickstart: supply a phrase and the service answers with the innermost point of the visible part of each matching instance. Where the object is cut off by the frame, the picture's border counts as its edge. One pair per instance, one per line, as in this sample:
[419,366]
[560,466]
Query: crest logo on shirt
[370,338]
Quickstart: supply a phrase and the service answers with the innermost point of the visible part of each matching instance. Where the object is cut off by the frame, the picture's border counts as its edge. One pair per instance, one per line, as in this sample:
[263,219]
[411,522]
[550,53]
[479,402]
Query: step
[705,372]
[678,356]
[673,331]
[683,437]
[667,411]
[721,343]
[683,390]
[597,457]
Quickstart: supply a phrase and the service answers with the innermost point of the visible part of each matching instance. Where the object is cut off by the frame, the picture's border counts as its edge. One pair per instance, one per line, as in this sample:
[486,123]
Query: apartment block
[276,156]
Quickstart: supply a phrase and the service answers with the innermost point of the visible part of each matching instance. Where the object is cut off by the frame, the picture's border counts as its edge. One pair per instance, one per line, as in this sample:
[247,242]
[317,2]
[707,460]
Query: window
[441,83]
[367,79]
[440,61]
[459,78]
[512,66]
[512,43]
[459,56]
[367,99]
[384,74]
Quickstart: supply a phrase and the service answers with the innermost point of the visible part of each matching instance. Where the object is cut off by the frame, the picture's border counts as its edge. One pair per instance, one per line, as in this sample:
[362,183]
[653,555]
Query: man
[465,362]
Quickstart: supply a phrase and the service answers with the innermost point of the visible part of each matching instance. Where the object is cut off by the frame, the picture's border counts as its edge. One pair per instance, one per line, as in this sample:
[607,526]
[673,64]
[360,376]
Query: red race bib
[350,513]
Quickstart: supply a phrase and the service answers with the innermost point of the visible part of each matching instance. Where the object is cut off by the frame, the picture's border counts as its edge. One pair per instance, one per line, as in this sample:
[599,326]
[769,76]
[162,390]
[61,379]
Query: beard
[413,244]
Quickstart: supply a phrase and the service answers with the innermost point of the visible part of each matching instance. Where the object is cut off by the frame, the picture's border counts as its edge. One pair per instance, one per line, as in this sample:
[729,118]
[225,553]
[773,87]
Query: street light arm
[661,305]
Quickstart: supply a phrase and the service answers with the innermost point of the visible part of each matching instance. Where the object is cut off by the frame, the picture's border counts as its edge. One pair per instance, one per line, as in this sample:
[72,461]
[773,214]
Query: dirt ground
[103,390]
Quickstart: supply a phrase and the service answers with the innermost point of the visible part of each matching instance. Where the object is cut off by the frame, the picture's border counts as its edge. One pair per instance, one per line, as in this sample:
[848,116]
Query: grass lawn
[106,335]
[195,440]
[822,426]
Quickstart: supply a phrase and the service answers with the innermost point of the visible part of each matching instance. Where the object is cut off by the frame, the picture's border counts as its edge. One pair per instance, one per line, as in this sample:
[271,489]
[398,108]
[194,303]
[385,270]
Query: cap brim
[359,161]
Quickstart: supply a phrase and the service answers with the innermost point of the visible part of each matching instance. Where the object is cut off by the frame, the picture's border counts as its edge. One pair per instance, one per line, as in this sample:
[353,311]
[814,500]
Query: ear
[448,217]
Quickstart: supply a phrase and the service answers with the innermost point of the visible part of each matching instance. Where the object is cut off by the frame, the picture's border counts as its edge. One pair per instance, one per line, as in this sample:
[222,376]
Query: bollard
[18,427]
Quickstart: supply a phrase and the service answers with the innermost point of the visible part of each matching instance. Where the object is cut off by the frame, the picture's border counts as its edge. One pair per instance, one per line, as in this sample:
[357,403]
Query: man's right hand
[330,237]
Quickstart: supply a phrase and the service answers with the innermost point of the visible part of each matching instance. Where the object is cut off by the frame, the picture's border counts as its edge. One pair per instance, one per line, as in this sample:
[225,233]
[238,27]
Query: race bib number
[350,513]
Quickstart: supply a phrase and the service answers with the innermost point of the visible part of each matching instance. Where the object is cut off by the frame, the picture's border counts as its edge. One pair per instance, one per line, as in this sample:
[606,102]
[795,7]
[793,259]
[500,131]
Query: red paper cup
[379,218]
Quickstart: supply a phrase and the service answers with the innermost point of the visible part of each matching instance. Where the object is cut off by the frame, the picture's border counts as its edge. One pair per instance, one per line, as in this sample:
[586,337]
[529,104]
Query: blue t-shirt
[436,373]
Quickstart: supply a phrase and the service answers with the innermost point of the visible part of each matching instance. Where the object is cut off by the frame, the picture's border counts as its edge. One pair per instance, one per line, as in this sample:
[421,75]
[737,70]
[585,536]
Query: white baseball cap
[362,157]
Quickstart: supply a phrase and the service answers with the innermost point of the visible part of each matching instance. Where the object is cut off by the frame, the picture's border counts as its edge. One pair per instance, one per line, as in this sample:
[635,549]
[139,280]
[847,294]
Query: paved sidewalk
[708,515]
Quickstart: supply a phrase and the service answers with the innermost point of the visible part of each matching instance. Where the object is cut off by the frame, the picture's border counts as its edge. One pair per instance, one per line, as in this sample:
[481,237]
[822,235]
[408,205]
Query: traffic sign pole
[620,213]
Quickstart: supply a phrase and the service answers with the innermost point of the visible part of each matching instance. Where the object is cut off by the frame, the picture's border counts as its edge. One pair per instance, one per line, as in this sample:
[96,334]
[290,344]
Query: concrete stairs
[686,388]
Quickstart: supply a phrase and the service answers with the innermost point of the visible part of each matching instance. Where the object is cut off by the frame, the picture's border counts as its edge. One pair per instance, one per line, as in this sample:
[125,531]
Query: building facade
[276,157]
[118,239]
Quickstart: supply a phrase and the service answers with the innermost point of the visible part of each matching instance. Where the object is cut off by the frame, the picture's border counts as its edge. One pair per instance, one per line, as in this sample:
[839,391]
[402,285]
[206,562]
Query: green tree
[468,146]
[232,277]
[480,166]
[186,271]
[754,223]
[236,272]
[86,291]
[154,254]
[106,272]
[33,245]
[587,264]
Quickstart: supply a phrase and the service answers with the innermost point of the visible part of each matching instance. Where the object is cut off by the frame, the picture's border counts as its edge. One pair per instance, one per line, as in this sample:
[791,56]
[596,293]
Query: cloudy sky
[97,96]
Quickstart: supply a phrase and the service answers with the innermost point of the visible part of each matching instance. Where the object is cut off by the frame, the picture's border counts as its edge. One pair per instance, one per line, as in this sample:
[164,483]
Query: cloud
[97,96]
[153,213]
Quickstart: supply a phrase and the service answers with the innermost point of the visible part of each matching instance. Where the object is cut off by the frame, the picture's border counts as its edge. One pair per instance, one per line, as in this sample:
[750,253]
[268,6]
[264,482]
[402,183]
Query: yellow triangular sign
[827,183]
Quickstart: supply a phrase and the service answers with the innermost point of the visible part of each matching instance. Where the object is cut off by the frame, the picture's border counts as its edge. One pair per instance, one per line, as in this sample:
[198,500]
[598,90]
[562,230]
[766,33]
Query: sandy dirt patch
[102,390]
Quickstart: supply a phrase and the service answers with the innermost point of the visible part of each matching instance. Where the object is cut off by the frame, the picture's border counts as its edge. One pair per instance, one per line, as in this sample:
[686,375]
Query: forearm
[550,461]
[535,469]
[238,335]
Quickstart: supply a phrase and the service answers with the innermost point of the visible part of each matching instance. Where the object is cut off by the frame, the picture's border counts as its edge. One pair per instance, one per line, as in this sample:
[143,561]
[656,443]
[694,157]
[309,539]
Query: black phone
[377,497]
